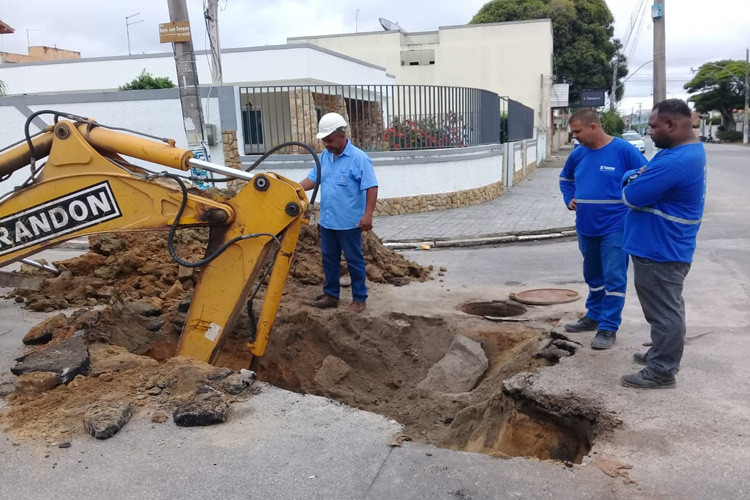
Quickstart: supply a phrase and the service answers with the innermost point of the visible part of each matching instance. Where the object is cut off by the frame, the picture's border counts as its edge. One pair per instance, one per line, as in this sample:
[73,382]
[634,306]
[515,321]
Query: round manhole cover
[545,296]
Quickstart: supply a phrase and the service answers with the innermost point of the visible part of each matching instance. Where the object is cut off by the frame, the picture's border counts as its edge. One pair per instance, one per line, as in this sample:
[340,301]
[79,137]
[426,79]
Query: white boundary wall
[154,112]
[412,173]
[157,112]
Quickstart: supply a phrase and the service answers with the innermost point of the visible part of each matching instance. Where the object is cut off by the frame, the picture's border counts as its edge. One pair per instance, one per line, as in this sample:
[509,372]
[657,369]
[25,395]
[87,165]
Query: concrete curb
[497,239]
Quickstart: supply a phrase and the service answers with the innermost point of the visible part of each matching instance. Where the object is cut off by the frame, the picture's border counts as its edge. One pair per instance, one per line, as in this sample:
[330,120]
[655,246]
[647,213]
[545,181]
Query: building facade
[512,59]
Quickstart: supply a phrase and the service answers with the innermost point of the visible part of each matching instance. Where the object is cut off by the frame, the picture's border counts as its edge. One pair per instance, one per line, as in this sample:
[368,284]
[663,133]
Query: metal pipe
[220,169]
[39,265]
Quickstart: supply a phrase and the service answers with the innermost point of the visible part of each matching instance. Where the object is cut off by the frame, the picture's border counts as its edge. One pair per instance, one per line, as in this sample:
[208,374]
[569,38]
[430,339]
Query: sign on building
[178,31]
[592,98]
[559,95]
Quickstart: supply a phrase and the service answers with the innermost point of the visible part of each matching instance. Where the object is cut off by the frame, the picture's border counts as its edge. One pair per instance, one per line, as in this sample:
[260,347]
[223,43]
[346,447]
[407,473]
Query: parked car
[576,143]
[635,139]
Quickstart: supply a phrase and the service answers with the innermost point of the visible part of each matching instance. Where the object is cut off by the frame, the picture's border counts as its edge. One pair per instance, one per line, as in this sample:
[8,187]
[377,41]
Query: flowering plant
[426,133]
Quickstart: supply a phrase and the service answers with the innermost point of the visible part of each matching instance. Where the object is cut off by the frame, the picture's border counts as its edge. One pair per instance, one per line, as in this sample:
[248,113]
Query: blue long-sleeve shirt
[594,178]
[666,204]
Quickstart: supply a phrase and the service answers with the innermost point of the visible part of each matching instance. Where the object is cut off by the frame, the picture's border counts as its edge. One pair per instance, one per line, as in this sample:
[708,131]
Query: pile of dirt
[130,266]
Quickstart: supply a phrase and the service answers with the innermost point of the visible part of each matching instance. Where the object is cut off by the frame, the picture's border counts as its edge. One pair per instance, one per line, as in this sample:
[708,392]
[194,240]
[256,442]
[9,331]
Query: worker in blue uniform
[665,201]
[591,184]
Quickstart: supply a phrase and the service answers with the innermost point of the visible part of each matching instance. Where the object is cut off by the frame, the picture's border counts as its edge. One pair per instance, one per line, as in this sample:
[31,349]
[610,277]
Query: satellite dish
[390,25]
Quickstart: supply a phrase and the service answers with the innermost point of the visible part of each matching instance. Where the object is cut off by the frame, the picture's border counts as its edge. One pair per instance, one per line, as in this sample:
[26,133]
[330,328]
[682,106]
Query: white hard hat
[328,124]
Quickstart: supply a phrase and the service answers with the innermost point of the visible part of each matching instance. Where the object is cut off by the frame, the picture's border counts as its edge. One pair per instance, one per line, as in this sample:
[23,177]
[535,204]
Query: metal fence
[380,117]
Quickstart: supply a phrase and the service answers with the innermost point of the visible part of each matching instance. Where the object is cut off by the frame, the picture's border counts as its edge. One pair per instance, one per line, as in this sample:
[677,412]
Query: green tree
[582,31]
[718,88]
[147,81]
[612,123]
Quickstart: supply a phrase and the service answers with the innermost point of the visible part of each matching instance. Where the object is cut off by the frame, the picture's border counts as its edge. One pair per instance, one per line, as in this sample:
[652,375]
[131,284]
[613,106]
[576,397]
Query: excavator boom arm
[81,191]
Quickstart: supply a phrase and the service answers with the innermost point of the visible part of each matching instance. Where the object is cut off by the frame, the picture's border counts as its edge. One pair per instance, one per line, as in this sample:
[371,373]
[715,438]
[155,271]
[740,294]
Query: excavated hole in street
[373,361]
[376,363]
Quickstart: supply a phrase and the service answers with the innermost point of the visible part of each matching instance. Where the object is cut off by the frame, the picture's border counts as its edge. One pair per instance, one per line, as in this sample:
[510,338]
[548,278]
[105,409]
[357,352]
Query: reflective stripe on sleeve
[600,202]
[654,211]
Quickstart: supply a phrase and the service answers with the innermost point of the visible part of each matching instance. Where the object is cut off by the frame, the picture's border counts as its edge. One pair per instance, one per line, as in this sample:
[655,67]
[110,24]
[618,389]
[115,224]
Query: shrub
[612,123]
[729,136]
[147,81]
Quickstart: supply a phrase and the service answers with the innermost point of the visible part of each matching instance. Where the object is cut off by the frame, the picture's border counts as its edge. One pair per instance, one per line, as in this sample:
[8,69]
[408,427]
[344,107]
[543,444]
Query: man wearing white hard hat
[349,191]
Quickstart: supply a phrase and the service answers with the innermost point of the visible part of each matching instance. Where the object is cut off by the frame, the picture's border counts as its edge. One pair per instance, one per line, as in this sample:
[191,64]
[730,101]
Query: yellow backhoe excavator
[87,185]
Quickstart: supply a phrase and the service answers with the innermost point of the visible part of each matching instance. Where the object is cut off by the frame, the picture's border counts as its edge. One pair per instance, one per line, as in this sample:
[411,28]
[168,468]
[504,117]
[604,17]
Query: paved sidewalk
[533,209]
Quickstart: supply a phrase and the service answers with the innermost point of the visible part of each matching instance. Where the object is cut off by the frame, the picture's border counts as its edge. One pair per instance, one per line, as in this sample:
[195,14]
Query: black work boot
[325,301]
[584,324]
[645,380]
[640,358]
[604,339]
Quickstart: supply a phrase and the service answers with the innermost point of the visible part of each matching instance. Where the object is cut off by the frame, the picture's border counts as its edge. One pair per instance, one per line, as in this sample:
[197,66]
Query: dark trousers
[659,288]
[332,242]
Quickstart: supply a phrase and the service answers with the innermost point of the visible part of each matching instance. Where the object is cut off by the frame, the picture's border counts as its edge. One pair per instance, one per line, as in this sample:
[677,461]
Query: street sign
[558,96]
[592,98]
[178,31]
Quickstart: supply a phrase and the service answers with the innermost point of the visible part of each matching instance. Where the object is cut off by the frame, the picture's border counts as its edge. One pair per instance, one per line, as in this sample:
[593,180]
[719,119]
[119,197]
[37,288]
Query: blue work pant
[659,289]
[332,242]
[605,270]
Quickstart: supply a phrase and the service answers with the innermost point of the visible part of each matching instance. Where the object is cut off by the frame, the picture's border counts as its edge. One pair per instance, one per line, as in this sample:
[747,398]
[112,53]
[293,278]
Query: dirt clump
[117,378]
[137,266]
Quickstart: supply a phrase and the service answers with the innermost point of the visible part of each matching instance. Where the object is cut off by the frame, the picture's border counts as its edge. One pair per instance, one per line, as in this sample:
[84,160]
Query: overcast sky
[697,31]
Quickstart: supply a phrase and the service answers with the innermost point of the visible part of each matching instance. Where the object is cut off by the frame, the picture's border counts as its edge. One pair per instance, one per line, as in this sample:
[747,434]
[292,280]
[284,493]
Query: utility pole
[639,116]
[747,96]
[660,52]
[212,23]
[614,84]
[187,79]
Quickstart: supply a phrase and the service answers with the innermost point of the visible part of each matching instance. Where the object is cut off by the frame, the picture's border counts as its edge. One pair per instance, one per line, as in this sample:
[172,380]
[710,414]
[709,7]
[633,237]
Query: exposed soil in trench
[371,361]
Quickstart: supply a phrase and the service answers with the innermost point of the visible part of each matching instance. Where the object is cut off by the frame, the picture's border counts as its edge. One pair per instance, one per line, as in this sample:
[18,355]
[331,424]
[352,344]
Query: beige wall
[509,59]
[40,53]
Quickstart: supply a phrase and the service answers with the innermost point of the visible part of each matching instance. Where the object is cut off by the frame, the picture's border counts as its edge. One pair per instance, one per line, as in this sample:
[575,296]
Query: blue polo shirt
[666,204]
[593,177]
[343,187]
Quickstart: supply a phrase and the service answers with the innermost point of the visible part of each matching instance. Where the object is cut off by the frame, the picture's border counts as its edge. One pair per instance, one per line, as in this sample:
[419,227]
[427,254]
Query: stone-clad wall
[303,120]
[230,148]
[439,201]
